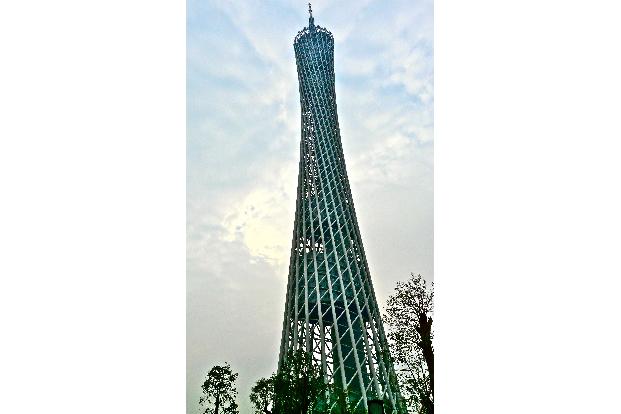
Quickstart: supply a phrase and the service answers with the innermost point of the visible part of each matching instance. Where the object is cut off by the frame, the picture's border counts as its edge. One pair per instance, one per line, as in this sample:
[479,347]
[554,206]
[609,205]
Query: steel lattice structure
[331,311]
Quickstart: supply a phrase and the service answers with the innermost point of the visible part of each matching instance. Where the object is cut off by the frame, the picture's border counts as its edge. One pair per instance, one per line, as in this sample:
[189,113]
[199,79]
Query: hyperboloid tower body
[330,310]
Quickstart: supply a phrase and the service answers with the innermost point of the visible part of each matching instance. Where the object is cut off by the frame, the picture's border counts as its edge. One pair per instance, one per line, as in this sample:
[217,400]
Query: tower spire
[311,20]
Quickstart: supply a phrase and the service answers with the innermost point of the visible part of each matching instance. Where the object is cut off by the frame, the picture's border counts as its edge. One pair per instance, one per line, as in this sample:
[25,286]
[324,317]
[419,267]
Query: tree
[408,317]
[219,391]
[297,387]
[336,401]
[262,395]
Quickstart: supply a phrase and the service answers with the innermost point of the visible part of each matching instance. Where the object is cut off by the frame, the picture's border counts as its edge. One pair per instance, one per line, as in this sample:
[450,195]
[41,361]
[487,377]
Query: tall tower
[330,310]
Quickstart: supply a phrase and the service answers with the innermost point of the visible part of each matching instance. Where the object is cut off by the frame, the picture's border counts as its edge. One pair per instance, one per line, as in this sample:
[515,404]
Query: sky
[243,132]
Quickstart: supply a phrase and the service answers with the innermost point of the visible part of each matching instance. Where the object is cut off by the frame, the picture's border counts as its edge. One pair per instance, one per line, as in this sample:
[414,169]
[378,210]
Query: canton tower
[331,311]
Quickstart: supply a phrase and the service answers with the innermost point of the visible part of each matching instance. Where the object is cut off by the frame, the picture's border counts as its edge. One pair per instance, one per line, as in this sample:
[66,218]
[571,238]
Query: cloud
[262,220]
[224,320]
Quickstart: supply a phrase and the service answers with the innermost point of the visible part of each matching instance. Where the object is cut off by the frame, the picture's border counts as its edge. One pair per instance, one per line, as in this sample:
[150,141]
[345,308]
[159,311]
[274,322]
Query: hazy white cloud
[262,220]
[242,161]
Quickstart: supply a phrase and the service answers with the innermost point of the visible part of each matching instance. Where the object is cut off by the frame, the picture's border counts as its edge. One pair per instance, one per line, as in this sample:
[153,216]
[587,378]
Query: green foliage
[298,384]
[408,317]
[299,388]
[336,400]
[294,389]
[219,391]
[262,395]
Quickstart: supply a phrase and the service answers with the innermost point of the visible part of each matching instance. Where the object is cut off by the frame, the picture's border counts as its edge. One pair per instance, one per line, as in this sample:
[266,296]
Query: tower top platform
[312,28]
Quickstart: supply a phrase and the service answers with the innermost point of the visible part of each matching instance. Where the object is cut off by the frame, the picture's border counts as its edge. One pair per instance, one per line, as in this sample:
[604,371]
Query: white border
[527,206]
[92,217]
